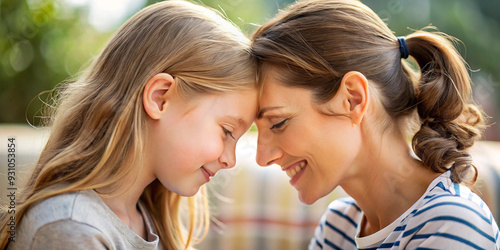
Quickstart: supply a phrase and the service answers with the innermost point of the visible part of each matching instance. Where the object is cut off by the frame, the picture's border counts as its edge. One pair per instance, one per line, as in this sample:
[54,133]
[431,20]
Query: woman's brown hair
[313,43]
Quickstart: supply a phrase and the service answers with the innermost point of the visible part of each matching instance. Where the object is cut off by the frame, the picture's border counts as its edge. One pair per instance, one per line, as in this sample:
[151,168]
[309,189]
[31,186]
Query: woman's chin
[307,199]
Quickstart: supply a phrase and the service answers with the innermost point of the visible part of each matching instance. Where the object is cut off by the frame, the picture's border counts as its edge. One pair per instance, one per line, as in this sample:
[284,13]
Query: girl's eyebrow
[238,121]
[266,109]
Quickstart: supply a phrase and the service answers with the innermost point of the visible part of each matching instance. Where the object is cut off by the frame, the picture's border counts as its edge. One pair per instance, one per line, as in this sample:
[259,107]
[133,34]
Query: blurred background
[44,42]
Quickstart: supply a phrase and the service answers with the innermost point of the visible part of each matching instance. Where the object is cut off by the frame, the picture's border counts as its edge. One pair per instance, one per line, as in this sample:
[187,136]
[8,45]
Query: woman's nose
[267,152]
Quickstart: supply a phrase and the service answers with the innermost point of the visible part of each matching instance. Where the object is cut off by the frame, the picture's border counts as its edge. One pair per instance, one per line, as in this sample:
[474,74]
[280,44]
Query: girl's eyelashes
[227,132]
[279,124]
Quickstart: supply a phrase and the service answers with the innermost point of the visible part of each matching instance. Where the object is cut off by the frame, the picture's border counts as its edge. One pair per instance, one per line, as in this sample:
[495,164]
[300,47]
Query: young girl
[153,119]
[339,106]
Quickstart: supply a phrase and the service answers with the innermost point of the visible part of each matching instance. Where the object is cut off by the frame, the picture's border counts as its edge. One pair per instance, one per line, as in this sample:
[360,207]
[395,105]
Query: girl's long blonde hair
[98,126]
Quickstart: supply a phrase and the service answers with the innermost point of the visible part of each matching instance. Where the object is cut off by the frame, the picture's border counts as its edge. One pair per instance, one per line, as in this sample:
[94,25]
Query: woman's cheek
[294,142]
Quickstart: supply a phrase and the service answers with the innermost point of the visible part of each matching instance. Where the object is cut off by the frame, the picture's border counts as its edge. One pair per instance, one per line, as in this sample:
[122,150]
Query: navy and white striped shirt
[447,216]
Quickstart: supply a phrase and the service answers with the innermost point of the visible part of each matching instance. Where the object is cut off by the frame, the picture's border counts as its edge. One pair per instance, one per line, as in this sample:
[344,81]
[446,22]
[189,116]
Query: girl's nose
[228,157]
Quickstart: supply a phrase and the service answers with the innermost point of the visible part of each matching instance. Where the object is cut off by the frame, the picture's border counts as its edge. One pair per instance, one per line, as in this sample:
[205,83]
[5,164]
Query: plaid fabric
[486,157]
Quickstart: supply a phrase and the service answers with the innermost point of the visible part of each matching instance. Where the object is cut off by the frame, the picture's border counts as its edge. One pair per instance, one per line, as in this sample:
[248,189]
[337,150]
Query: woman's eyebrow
[266,109]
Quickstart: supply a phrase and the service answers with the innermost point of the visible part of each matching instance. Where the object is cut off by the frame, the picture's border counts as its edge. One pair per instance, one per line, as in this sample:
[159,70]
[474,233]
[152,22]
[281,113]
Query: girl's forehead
[236,101]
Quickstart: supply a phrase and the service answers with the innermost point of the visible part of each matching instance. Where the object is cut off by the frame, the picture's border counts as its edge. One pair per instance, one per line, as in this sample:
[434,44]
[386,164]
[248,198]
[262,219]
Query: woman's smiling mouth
[294,169]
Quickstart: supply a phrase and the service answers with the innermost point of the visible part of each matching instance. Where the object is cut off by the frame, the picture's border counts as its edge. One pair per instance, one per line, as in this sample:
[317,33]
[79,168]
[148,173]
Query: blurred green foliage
[44,42]
[41,44]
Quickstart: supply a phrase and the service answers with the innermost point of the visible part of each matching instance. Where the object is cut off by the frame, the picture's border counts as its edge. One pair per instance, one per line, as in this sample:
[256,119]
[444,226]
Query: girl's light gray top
[78,220]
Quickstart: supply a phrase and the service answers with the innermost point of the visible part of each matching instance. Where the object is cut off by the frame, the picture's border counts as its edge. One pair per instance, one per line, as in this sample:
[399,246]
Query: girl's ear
[355,95]
[155,94]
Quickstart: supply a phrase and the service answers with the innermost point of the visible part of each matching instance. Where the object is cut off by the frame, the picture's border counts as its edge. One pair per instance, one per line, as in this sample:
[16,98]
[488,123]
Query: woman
[341,106]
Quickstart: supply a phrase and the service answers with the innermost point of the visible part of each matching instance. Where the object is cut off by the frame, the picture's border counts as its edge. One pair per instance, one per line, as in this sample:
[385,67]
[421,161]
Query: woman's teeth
[293,171]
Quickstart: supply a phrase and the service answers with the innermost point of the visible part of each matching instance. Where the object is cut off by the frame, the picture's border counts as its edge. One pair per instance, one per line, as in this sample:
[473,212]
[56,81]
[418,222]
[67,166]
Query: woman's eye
[279,124]
[227,132]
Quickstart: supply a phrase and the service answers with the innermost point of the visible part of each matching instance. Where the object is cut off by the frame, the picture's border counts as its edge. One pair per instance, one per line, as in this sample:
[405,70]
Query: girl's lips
[207,173]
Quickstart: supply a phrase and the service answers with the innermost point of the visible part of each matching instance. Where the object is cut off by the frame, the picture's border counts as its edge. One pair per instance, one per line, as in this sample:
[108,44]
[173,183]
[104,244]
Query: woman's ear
[155,94]
[355,95]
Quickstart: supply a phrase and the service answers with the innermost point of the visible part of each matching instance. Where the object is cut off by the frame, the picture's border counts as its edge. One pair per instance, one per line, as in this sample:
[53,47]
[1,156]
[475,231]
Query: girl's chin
[189,193]
[185,192]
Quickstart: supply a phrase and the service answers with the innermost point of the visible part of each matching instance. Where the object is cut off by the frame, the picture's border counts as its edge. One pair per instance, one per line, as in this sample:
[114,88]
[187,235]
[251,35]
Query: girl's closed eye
[227,132]
[279,124]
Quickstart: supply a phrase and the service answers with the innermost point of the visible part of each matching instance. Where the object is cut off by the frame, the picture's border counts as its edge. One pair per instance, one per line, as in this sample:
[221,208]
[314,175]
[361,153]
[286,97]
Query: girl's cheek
[213,148]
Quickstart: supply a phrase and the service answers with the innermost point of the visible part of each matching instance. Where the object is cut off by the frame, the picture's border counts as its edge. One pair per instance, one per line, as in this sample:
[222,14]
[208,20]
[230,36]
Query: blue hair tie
[403,48]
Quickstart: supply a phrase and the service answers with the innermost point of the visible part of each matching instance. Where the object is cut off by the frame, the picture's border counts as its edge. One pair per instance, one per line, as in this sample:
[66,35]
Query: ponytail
[450,121]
